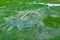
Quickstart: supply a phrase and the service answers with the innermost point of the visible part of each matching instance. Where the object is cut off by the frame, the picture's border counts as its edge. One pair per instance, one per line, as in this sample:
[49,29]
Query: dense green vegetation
[9,2]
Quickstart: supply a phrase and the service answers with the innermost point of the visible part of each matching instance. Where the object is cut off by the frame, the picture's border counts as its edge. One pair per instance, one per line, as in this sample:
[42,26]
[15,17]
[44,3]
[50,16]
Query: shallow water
[40,12]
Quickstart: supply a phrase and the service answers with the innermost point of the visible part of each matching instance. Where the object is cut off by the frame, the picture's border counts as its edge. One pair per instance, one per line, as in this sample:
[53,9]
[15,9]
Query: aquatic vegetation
[30,20]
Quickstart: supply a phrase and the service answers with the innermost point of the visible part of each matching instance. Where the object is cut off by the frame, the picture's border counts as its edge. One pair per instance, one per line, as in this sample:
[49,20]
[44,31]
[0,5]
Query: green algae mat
[30,20]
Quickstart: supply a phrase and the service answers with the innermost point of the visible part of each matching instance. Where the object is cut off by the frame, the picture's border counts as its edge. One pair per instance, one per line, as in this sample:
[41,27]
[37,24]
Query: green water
[45,21]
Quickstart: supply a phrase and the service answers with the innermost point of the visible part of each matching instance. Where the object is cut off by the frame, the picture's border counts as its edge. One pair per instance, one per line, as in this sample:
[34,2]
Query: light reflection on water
[22,24]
